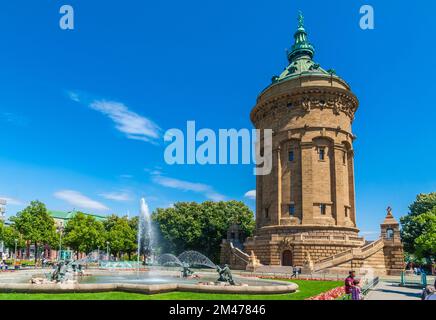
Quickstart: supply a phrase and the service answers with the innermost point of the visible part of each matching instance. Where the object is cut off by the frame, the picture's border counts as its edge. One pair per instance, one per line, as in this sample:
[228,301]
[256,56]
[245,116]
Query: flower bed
[330,295]
[293,278]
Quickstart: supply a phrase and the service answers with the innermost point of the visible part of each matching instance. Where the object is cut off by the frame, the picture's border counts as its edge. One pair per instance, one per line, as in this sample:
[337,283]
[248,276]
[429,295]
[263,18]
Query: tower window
[291,156]
[292,210]
[346,212]
[389,233]
[323,209]
[321,153]
[266,212]
[344,158]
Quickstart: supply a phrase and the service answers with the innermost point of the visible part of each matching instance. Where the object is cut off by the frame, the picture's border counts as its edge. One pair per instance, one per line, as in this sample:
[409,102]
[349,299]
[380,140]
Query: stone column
[351,189]
[259,202]
[339,180]
[307,182]
[279,185]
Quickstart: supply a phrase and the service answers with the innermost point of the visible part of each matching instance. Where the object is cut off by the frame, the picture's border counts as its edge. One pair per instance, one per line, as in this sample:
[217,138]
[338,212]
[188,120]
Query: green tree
[8,235]
[121,235]
[83,233]
[35,225]
[425,244]
[201,226]
[412,228]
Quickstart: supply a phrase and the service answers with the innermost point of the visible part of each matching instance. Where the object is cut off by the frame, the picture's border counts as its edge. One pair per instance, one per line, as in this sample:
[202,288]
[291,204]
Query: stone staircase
[238,253]
[349,256]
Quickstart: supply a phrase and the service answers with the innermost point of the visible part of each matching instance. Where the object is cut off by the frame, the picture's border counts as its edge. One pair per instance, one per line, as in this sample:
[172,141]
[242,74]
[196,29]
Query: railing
[366,288]
[372,245]
[239,253]
[345,256]
[339,255]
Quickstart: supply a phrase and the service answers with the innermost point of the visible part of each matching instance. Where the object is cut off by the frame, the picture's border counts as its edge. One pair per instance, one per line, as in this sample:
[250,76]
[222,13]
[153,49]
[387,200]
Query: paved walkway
[392,291]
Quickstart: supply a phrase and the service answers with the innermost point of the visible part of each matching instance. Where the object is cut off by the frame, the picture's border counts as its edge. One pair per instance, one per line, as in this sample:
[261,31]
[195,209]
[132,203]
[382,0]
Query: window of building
[344,158]
[291,156]
[323,209]
[346,211]
[321,153]
[266,212]
[389,233]
[292,210]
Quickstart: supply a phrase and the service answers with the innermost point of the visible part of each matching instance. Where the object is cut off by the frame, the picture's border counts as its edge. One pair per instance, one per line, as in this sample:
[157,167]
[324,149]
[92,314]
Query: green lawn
[307,289]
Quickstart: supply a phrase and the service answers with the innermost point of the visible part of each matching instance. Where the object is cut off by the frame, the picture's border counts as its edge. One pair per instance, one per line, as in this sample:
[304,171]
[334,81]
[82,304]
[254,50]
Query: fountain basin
[159,281]
[144,288]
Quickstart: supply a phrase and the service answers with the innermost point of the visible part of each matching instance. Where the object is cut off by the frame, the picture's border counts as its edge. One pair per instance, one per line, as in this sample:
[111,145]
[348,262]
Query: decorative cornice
[307,99]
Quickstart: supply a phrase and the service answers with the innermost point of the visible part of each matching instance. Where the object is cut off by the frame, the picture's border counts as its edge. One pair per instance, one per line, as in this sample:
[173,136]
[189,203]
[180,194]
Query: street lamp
[60,230]
[15,252]
[107,250]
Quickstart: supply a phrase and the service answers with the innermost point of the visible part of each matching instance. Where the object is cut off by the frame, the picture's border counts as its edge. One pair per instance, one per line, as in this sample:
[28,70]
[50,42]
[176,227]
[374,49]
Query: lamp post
[107,250]
[60,230]
[15,252]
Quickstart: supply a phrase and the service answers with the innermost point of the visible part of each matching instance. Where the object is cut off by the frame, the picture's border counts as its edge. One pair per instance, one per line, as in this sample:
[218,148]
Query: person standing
[356,291]
[349,283]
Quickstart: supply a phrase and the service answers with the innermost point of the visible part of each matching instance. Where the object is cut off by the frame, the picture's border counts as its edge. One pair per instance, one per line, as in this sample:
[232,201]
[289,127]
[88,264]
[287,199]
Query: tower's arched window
[292,210]
[321,153]
[390,233]
[323,209]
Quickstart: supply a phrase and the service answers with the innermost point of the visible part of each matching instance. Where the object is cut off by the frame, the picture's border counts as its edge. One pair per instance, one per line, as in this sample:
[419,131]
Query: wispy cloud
[117,196]
[133,125]
[74,96]
[251,194]
[156,171]
[12,201]
[13,119]
[130,123]
[79,200]
[204,189]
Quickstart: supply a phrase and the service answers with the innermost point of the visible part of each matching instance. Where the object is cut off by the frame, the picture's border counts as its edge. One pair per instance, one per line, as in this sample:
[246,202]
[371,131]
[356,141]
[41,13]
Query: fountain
[225,275]
[168,271]
[145,236]
[169,259]
[196,259]
[63,272]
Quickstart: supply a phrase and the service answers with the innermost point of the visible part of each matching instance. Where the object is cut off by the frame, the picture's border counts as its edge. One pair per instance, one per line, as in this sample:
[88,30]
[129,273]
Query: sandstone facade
[306,206]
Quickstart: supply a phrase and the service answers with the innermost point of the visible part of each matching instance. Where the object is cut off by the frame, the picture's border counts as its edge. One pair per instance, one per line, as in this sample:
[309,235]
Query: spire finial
[301,45]
[300,20]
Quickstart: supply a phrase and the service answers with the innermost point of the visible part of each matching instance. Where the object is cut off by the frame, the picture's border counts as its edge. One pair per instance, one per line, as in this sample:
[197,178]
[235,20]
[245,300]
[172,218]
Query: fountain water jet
[145,232]
[169,259]
[195,258]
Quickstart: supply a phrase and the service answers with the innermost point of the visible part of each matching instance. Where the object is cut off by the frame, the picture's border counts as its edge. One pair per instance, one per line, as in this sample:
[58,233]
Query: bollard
[423,279]
[403,279]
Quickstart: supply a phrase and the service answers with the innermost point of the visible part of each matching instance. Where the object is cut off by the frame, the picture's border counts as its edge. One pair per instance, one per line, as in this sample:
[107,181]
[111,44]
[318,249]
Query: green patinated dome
[301,57]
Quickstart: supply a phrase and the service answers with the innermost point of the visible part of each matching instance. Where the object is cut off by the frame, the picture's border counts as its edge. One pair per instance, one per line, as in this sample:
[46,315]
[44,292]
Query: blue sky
[77,106]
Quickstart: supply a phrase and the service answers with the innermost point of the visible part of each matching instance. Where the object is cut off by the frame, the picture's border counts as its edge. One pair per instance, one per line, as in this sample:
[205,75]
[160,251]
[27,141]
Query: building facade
[305,209]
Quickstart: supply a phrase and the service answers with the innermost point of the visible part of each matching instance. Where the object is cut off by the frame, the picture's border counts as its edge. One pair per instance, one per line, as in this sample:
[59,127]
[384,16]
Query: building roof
[301,58]
[62,215]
